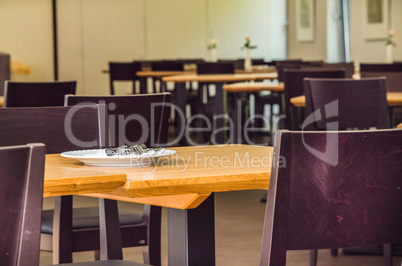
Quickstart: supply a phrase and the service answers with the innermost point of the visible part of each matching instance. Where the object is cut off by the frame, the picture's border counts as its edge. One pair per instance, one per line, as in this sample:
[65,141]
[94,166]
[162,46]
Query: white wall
[363,50]
[26,34]
[94,32]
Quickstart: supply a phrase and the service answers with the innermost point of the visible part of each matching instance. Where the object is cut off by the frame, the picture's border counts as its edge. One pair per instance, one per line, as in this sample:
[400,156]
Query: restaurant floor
[239,219]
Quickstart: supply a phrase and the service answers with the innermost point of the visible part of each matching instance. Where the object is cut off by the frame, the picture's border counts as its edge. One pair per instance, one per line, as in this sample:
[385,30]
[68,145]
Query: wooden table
[394,99]
[181,182]
[219,80]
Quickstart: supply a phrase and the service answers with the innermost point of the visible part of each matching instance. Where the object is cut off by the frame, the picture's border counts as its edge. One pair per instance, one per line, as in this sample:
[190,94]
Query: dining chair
[377,67]
[165,65]
[204,101]
[332,189]
[133,119]
[5,70]
[21,190]
[393,74]
[360,104]
[21,196]
[293,81]
[349,67]
[124,71]
[37,94]
[137,229]
[60,129]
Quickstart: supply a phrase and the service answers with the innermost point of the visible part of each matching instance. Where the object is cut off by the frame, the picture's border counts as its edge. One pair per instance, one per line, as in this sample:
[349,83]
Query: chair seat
[88,218]
[105,263]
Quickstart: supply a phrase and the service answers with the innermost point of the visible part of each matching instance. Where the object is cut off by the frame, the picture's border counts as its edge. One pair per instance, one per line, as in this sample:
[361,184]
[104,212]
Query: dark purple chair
[21,191]
[332,190]
[148,124]
[165,66]
[86,130]
[124,71]
[37,94]
[208,108]
[293,79]
[360,103]
[376,67]
[137,229]
[348,67]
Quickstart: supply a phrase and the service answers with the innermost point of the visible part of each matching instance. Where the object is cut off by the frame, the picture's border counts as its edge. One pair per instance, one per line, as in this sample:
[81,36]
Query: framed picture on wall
[305,20]
[375,15]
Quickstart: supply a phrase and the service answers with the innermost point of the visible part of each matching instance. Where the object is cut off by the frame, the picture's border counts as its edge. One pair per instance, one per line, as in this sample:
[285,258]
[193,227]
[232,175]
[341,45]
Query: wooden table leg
[191,235]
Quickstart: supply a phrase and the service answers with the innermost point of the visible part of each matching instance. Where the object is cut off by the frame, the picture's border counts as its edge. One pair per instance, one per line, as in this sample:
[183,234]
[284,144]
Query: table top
[182,180]
[393,99]
[64,177]
[254,87]
[221,77]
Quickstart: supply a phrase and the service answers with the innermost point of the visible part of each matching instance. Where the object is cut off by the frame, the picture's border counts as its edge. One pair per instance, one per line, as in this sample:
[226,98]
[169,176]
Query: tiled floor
[239,219]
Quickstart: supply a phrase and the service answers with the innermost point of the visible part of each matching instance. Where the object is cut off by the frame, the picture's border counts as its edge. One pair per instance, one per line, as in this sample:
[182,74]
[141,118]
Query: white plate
[99,158]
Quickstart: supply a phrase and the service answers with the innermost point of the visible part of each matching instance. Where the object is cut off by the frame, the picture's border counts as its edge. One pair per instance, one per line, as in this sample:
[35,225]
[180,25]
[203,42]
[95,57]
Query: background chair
[349,67]
[47,125]
[165,66]
[37,94]
[124,71]
[361,103]
[205,99]
[21,204]
[293,79]
[393,73]
[21,190]
[345,195]
[137,230]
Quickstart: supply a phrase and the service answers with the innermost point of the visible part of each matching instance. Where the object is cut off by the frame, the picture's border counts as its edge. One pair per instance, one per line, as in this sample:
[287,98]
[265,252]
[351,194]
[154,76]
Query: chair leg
[387,254]
[152,252]
[313,257]
[63,230]
[334,252]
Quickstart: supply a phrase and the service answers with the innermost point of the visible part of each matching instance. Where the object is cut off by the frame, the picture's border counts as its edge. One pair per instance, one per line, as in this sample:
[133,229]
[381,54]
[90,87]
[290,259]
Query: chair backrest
[167,66]
[293,79]
[238,63]
[37,94]
[190,60]
[366,67]
[21,192]
[133,119]
[281,66]
[393,82]
[313,63]
[359,103]
[123,71]
[216,68]
[59,128]
[348,67]
[289,61]
[332,190]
